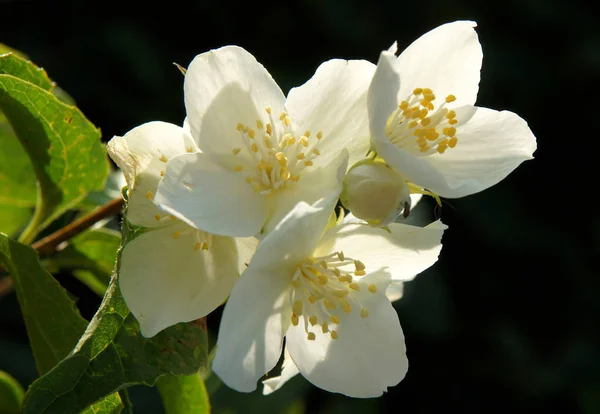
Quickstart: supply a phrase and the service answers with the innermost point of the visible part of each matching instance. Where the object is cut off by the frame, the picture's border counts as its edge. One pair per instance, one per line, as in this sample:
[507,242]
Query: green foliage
[184,394]
[11,394]
[91,257]
[68,158]
[109,405]
[17,180]
[19,67]
[53,322]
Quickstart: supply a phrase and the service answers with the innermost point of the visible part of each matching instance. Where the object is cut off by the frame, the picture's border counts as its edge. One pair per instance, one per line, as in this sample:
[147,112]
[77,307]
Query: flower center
[418,127]
[278,155]
[323,288]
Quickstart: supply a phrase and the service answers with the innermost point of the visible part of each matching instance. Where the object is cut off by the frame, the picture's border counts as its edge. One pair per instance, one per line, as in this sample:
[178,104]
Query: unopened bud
[375,192]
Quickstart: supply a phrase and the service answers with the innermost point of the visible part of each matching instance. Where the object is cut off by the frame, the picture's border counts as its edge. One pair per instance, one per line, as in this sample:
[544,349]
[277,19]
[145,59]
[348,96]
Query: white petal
[334,101]
[447,60]
[211,198]
[417,170]
[404,251]
[254,322]
[295,237]
[395,291]
[491,144]
[288,371]
[382,98]
[246,247]
[142,154]
[164,280]
[225,87]
[369,355]
[314,184]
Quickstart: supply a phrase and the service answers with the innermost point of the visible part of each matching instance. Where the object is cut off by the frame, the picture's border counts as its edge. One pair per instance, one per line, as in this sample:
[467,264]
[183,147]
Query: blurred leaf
[54,324]
[112,189]
[68,158]
[13,219]
[91,256]
[11,394]
[113,355]
[183,394]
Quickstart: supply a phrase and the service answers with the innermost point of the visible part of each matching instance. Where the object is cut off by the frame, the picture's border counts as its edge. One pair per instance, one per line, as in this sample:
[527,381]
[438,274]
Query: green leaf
[11,394]
[12,64]
[64,147]
[17,178]
[53,323]
[13,219]
[17,181]
[91,256]
[6,49]
[183,394]
[112,189]
[113,355]
[110,405]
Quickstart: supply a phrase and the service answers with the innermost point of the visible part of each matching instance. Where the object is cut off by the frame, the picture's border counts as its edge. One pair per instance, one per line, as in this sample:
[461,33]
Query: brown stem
[48,244]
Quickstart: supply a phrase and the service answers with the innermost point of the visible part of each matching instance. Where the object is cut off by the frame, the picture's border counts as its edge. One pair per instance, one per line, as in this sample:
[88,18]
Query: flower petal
[447,60]
[369,354]
[320,182]
[246,247]
[165,280]
[288,371]
[224,87]
[254,322]
[141,154]
[208,197]
[295,237]
[395,291]
[334,101]
[491,145]
[404,251]
[382,97]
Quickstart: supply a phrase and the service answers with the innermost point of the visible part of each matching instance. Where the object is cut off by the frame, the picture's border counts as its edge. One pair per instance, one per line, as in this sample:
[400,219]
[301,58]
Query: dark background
[508,320]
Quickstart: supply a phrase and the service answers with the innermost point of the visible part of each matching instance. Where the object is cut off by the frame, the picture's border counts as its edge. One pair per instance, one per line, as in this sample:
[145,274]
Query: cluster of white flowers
[239,203]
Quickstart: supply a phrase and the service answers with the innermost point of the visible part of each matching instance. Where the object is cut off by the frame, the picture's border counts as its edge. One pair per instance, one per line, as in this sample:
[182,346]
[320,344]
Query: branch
[47,245]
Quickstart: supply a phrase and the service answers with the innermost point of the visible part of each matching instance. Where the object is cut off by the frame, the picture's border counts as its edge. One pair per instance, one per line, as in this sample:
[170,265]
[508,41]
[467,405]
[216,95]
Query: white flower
[325,292]
[375,192]
[424,124]
[172,272]
[262,153]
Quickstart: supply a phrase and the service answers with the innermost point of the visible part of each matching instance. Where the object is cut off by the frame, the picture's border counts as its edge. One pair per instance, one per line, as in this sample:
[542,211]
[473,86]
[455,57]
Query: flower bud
[375,192]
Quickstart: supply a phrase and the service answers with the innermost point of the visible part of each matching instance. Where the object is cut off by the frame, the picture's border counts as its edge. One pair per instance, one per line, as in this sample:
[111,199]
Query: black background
[508,320]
